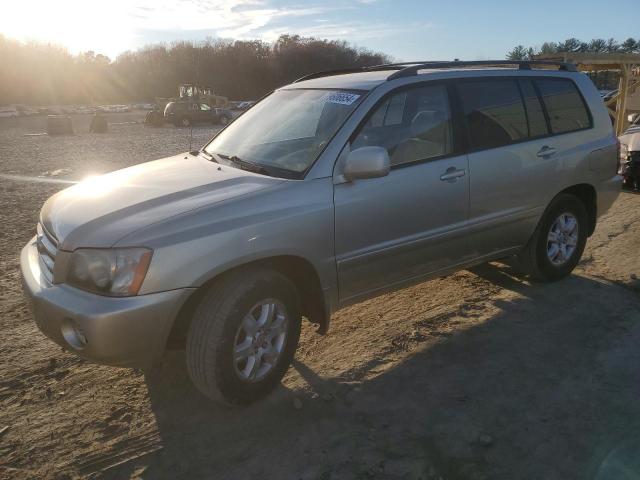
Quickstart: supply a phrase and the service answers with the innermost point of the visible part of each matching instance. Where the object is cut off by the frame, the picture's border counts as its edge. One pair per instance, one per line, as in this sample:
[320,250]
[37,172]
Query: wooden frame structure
[628,64]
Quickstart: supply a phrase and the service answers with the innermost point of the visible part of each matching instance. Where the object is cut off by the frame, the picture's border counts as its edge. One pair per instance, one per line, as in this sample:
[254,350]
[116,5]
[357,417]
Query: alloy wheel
[562,239]
[260,340]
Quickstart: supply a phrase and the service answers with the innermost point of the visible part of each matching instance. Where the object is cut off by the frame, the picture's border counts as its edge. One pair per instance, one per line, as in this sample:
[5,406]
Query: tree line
[44,74]
[597,45]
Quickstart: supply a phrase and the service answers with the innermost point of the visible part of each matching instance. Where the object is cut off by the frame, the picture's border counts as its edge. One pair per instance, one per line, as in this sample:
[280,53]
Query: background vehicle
[630,154]
[190,93]
[331,190]
[244,105]
[183,114]
[8,112]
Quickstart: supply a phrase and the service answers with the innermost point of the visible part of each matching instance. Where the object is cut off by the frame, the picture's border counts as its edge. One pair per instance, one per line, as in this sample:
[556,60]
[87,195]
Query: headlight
[114,272]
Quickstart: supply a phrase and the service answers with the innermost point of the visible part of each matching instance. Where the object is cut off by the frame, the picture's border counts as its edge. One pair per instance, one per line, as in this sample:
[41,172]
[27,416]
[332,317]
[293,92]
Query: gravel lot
[480,375]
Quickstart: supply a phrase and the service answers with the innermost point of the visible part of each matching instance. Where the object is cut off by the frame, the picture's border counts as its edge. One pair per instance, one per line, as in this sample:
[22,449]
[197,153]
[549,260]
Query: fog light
[73,334]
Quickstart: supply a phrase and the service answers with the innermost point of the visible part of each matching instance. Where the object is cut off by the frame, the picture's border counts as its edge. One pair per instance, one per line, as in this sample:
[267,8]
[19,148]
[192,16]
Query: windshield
[287,130]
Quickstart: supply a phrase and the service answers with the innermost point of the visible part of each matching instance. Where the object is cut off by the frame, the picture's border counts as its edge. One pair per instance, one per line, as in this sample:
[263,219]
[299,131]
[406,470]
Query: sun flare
[75,24]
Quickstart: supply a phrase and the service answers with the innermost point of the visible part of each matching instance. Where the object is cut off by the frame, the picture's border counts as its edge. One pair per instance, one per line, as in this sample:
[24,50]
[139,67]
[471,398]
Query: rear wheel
[557,244]
[243,336]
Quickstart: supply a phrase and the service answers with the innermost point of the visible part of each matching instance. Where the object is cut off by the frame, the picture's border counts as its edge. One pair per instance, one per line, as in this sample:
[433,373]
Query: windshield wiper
[269,170]
[245,165]
[207,155]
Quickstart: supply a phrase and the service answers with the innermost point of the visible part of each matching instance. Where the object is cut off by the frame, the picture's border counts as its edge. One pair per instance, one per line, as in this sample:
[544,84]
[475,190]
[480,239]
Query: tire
[217,328]
[535,258]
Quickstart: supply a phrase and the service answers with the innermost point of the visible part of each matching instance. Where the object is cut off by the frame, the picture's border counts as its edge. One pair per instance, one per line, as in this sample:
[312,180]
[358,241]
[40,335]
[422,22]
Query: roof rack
[412,69]
[328,73]
[406,69]
[373,68]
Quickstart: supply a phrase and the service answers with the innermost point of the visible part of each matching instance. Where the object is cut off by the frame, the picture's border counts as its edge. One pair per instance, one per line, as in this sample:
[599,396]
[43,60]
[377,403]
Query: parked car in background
[84,109]
[608,94]
[26,111]
[630,153]
[113,109]
[48,111]
[331,190]
[244,105]
[143,106]
[8,112]
[184,114]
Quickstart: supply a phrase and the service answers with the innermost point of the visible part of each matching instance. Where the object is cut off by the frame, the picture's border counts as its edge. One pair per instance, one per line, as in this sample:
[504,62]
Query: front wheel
[243,336]
[557,244]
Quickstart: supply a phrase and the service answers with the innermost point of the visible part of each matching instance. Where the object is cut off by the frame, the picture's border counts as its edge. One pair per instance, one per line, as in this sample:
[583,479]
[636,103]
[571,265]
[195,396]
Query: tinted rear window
[494,112]
[535,114]
[566,109]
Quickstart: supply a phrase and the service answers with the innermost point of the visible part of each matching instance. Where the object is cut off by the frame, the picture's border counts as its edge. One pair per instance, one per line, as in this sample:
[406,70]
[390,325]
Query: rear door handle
[452,174]
[546,151]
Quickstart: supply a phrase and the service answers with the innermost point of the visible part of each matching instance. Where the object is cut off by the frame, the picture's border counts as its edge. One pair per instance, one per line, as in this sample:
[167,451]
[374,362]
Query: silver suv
[336,188]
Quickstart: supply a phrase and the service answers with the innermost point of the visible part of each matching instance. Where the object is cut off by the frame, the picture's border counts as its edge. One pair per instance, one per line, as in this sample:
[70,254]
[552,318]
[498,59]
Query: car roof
[369,79]
[347,81]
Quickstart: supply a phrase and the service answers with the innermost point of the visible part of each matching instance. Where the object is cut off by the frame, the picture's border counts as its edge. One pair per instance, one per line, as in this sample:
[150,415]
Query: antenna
[196,62]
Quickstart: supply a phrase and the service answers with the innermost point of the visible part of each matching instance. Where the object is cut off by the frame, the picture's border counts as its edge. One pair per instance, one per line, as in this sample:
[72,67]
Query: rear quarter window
[565,106]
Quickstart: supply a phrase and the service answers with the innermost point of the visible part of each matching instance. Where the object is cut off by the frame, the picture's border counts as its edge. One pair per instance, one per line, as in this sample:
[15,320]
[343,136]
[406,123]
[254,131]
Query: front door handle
[546,151]
[452,174]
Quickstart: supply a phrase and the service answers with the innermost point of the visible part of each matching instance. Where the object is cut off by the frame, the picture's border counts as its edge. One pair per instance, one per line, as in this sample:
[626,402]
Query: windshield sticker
[341,98]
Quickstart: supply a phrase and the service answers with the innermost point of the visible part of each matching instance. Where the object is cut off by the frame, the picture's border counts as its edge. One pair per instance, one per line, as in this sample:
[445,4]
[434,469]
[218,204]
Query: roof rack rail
[372,68]
[406,69]
[413,68]
[343,71]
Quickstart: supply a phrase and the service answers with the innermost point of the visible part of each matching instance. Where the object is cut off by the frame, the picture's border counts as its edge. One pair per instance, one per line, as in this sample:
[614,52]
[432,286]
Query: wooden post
[621,104]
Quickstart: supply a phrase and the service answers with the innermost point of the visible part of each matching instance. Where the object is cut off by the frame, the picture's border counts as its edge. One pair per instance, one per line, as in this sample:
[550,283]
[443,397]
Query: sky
[405,29]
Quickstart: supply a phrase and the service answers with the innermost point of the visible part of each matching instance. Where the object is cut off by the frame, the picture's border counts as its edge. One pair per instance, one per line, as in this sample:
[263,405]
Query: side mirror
[367,162]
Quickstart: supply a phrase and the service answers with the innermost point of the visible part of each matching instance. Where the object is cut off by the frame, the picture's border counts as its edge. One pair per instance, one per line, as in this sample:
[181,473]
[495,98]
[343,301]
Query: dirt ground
[480,375]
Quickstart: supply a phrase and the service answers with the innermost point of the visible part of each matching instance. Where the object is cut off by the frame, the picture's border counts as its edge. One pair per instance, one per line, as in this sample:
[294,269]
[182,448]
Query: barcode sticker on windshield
[341,98]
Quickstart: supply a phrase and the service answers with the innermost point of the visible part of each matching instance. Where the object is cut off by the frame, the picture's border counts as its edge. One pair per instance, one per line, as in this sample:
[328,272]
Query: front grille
[48,249]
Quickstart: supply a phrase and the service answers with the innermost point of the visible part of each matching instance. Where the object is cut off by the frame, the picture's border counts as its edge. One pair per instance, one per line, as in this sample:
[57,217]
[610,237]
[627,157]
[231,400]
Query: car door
[512,163]
[203,113]
[412,222]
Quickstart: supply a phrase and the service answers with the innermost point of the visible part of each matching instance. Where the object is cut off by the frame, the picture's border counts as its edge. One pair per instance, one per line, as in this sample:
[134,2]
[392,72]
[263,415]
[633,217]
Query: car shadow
[541,389]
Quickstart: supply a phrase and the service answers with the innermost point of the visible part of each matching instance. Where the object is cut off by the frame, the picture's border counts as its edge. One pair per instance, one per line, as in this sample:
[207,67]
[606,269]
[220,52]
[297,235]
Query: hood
[101,210]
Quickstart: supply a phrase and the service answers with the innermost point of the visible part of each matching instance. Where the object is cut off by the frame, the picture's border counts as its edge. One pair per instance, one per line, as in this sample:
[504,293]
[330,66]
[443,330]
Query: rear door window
[494,112]
[535,113]
[565,107]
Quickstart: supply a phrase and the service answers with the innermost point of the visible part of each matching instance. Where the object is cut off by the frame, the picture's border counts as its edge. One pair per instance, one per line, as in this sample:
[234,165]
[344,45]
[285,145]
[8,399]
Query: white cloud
[351,31]
[234,17]
[116,25]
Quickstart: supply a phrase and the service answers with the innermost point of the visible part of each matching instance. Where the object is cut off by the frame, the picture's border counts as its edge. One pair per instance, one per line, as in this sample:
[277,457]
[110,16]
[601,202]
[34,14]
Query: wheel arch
[589,197]
[299,270]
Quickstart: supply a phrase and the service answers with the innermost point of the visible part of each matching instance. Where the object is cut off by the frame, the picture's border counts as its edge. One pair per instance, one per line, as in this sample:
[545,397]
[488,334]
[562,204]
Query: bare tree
[47,74]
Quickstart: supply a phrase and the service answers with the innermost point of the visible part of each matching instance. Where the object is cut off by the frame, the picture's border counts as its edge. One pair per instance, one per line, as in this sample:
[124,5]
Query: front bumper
[128,332]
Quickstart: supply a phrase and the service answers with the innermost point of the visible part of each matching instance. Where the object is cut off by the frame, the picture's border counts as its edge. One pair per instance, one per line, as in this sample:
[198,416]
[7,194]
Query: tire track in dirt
[408,385]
